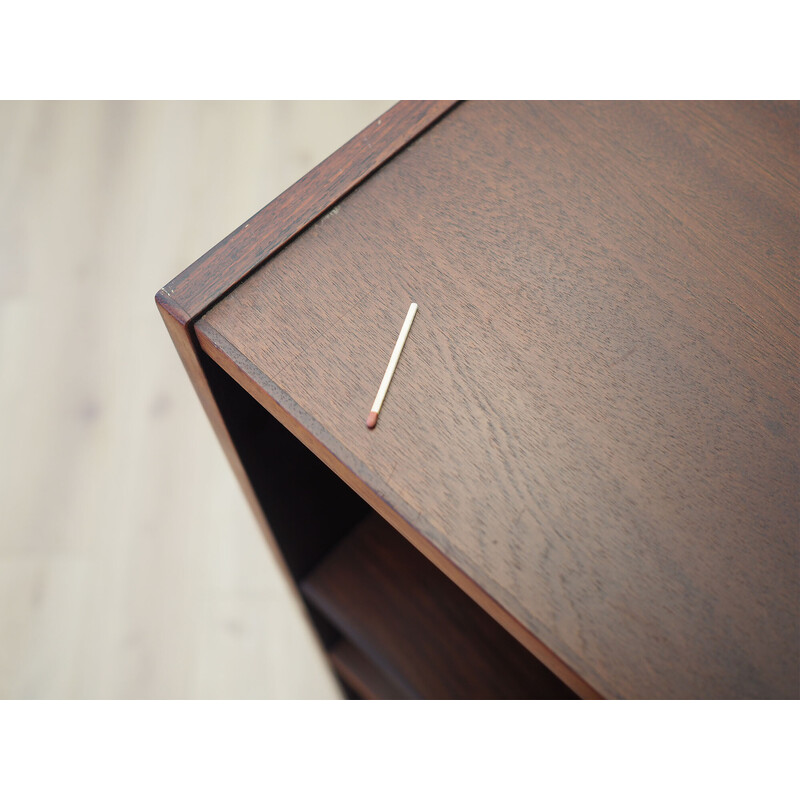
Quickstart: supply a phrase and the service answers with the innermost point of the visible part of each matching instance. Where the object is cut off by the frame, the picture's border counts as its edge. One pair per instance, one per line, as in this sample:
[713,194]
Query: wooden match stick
[372,419]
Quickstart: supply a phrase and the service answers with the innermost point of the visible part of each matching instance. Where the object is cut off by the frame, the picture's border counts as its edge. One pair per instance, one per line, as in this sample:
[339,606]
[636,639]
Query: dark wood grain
[363,676]
[213,274]
[417,626]
[595,418]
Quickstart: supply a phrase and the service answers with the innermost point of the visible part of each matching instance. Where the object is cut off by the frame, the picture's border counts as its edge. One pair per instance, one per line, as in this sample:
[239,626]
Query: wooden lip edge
[207,275]
[167,305]
[550,659]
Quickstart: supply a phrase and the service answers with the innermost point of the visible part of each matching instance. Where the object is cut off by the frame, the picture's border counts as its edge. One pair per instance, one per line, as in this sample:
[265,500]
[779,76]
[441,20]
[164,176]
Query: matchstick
[372,419]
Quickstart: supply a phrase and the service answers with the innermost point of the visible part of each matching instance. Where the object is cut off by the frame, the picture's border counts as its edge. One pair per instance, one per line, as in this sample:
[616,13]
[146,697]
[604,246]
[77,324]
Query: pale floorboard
[130,565]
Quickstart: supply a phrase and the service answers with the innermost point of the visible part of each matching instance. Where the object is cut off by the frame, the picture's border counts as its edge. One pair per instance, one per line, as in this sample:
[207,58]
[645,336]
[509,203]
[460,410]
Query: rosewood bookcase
[584,479]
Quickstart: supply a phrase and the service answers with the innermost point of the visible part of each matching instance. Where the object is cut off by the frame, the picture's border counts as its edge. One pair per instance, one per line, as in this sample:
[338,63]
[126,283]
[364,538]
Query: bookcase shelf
[415,626]
[363,677]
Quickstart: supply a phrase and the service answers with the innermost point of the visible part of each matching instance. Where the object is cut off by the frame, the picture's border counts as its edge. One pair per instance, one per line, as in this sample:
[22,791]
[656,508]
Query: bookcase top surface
[595,416]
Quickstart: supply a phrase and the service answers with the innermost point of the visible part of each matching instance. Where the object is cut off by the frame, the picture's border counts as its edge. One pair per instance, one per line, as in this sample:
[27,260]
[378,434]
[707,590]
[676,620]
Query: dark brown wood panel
[595,418]
[417,625]
[363,676]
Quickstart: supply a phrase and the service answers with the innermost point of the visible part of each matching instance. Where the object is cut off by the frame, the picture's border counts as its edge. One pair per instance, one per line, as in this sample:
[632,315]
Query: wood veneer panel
[363,676]
[417,625]
[595,416]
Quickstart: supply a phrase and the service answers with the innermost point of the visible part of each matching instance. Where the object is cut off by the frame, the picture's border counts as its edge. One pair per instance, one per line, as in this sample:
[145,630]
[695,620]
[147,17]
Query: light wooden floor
[130,565]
